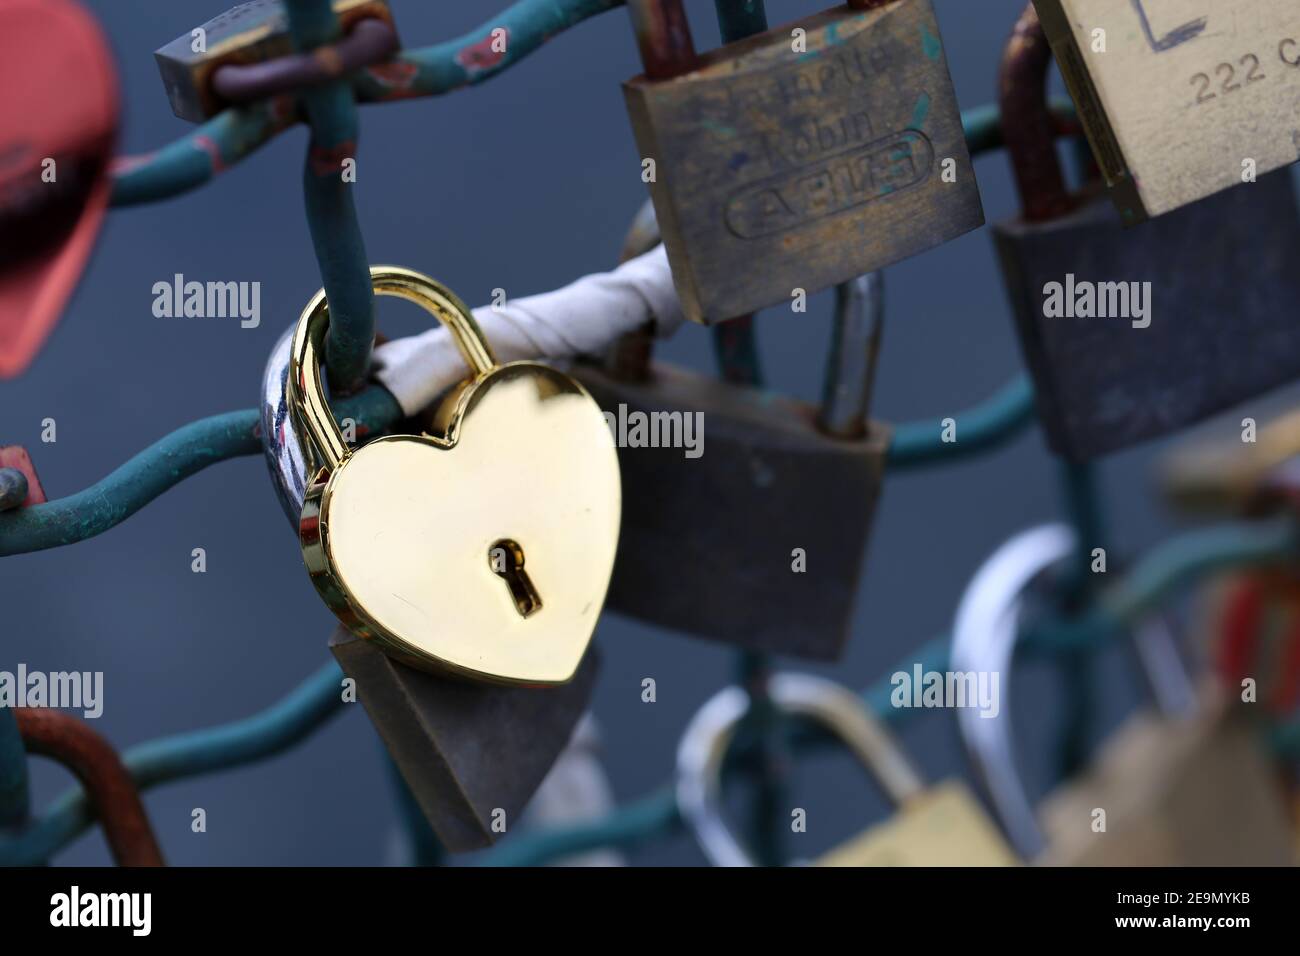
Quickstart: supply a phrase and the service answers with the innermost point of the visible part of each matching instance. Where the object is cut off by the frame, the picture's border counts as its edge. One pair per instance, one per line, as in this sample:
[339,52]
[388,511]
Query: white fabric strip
[581,318]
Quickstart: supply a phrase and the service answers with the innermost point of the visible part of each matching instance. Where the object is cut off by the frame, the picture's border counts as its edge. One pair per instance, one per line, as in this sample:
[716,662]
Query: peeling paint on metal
[931,45]
[921,111]
[479,57]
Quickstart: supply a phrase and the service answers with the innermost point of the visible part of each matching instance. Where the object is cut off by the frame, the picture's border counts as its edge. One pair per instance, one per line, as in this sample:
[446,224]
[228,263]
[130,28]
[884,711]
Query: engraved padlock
[1133,333]
[939,826]
[481,549]
[1180,101]
[756,535]
[1184,786]
[800,157]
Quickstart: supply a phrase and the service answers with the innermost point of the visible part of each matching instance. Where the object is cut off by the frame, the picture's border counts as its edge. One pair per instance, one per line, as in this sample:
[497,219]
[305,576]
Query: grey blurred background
[523,183]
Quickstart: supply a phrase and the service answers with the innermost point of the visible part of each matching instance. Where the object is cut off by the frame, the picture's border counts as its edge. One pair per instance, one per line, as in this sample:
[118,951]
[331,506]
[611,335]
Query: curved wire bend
[286,723]
[108,786]
[1172,565]
[228,137]
[194,447]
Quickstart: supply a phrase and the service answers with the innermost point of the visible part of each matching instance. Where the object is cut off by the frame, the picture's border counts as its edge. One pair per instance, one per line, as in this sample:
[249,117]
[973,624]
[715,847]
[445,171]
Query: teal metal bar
[738,19]
[199,155]
[218,144]
[195,446]
[735,344]
[303,711]
[422,842]
[735,351]
[625,828]
[982,428]
[474,58]
[1174,564]
[162,465]
[13,772]
[656,814]
[331,213]
[1076,668]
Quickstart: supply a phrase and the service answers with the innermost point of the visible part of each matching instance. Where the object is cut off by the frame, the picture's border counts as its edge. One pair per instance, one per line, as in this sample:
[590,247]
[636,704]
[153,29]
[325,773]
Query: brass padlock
[483,550]
[1180,101]
[1187,786]
[756,536]
[801,157]
[942,826]
[1235,477]
[1130,334]
[436,728]
[248,33]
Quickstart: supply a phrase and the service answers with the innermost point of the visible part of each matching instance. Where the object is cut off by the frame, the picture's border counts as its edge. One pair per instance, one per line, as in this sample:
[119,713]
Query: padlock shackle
[663,36]
[324,443]
[855,340]
[704,745]
[855,348]
[983,642]
[1027,126]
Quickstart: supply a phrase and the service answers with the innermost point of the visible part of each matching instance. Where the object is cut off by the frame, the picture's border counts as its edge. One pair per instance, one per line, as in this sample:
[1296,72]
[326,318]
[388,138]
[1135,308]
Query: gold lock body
[1195,791]
[780,167]
[485,550]
[1182,95]
[941,826]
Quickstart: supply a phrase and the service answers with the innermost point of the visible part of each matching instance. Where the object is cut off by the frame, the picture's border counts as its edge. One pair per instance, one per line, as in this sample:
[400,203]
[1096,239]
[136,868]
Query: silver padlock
[707,738]
[436,728]
[1186,729]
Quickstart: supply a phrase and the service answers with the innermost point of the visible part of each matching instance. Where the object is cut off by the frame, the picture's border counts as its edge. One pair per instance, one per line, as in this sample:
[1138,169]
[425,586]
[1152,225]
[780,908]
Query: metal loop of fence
[324,90]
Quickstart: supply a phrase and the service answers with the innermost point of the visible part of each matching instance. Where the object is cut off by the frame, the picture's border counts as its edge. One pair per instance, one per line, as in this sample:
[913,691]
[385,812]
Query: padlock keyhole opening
[506,559]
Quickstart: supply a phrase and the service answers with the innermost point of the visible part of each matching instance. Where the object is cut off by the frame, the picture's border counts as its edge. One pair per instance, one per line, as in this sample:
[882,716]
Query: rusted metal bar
[109,787]
[1027,125]
[663,36]
[369,42]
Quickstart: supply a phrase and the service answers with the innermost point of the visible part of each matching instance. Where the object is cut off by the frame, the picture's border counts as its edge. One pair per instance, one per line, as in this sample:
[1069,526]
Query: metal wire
[108,786]
[1176,564]
[192,448]
[161,466]
[286,723]
[229,137]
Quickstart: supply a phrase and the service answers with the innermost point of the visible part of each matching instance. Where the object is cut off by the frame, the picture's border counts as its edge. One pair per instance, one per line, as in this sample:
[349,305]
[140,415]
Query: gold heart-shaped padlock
[483,551]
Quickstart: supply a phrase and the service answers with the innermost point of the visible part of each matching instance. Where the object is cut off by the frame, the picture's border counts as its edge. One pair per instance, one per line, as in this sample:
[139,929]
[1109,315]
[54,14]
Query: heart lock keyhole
[506,558]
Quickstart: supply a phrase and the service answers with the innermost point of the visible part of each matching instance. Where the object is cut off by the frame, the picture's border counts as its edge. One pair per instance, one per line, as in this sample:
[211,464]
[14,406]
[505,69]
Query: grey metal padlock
[1184,786]
[931,826]
[703,748]
[472,754]
[1130,334]
[248,33]
[759,540]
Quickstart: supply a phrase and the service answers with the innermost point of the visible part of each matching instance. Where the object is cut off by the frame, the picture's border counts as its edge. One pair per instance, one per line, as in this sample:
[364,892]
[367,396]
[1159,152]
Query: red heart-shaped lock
[58,123]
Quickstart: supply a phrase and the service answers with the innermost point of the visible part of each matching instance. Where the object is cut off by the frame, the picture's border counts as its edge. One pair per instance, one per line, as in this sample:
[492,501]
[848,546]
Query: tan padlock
[1187,786]
[1180,100]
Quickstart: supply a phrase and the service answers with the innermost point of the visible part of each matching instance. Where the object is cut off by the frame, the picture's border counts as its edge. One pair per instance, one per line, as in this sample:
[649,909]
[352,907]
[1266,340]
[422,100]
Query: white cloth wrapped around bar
[580,318]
